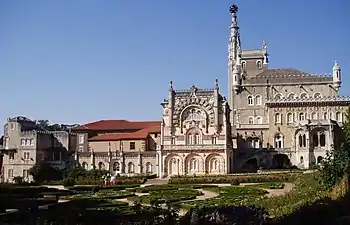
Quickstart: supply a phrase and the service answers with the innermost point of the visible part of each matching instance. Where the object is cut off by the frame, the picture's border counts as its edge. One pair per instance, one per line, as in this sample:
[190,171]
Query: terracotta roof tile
[141,134]
[117,125]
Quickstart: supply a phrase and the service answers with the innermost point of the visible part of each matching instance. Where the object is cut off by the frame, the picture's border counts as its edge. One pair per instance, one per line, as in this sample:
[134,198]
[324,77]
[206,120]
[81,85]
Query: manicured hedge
[163,196]
[104,194]
[257,178]
[100,187]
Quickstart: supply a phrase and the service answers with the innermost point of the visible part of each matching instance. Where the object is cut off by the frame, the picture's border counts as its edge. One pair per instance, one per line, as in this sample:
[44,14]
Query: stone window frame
[339,116]
[250,120]
[313,117]
[302,116]
[243,64]
[278,138]
[250,100]
[290,115]
[258,99]
[259,64]
[259,120]
[278,118]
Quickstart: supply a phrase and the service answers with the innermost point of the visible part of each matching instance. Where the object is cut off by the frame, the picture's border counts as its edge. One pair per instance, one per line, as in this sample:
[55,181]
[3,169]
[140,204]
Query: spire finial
[216,83]
[336,63]
[171,84]
[264,45]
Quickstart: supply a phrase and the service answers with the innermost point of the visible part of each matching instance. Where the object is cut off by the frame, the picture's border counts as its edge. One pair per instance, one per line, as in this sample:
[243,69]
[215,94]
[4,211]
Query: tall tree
[337,162]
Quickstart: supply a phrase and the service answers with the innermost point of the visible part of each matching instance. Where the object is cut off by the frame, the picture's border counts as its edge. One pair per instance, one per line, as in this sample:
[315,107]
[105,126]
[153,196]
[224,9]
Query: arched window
[303,95]
[250,100]
[244,64]
[301,160]
[131,168]
[214,164]
[193,137]
[325,115]
[259,120]
[330,115]
[290,118]
[278,141]
[315,141]
[322,140]
[101,166]
[291,96]
[338,117]
[253,142]
[259,64]
[302,140]
[314,115]
[251,120]
[258,100]
[317,95]
[278,96]
[84,165]
[319,159]
[148,167]
[193,165]
[278,118]
[301,116]
[116,166]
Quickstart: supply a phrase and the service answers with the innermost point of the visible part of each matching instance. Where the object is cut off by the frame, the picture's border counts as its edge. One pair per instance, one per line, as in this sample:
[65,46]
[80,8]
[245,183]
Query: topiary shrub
[68,182]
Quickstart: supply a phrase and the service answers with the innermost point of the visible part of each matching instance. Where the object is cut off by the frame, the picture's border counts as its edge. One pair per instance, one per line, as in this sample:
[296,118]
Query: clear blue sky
[84,60]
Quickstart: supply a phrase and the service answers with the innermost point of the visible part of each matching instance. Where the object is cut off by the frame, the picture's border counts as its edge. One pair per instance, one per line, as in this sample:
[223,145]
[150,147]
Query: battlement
[322,100]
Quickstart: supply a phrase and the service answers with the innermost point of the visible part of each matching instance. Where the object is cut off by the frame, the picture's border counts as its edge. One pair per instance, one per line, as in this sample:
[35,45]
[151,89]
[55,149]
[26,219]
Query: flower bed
[100,187]
[162,196]
[256,178]
[103,194]
[269,185]
[169,187]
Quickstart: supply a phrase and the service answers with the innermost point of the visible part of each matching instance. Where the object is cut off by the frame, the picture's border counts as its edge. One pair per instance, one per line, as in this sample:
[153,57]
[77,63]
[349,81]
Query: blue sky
[84,60]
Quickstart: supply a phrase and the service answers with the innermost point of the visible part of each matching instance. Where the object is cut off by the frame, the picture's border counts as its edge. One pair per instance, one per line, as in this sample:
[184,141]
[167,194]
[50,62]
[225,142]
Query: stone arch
[281,161]
[250,100]
[205,113]
[300,138]
[116,166]
[131,167]
[214,163]
[278,96]
[291,95]
[318,137]
[250,165]
[314,115]
[173,165]
[149,167]
[278,140]
[253,142]
[194,163]
[101,166]
[85,165]
[319,159]
[258,100]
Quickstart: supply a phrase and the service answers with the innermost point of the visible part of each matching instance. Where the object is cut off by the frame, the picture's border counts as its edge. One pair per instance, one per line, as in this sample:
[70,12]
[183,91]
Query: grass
[268,185]
[162,196]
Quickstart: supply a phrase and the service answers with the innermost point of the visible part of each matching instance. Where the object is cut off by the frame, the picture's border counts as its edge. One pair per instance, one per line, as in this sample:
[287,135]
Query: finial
[233,9]
[336,63]
[217,83]
[264,45]
[171,84]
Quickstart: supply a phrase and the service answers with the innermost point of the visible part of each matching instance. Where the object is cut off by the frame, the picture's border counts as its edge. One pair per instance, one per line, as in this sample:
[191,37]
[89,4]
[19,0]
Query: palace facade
[272,118]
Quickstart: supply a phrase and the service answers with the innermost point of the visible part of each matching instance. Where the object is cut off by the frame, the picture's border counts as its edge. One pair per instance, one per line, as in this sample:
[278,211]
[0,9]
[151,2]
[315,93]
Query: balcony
[193,147]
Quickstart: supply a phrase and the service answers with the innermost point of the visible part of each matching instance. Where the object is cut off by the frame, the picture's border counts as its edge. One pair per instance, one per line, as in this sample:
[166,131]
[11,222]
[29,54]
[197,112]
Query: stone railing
[252,126]
[193,147]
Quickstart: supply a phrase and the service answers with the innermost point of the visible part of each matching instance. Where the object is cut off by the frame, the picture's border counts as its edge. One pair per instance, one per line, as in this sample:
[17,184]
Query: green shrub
[68,182]
[235,182]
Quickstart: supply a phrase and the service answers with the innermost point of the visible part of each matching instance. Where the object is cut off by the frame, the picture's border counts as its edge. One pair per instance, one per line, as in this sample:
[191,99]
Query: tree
[43,172]
[337,161]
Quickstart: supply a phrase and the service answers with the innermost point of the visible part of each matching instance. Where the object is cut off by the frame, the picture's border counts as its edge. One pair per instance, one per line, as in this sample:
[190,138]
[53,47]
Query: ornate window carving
[250,100]
[259,64]
[194,137]
[291,96]
[301,116]
[254,142]
[304,95]
[214,164]
[194,165]
[314,115]
[258,100]
[317,95]
[244,64]
[278,96]
[195,114]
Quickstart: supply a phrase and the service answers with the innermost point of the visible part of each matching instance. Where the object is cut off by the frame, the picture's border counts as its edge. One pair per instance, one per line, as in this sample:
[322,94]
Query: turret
[236,73]
[336,76]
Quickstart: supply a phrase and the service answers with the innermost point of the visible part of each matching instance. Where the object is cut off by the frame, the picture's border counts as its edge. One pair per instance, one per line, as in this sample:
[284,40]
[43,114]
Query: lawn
[268,185]
[163,196]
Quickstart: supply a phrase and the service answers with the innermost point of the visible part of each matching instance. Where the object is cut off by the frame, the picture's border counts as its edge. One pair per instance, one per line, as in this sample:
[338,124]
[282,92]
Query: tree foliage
[43,172]
[337,162]
[45,125]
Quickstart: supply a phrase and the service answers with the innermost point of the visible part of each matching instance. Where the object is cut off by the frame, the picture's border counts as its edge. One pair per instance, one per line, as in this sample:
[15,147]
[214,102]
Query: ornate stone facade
[194,132]
[281,117]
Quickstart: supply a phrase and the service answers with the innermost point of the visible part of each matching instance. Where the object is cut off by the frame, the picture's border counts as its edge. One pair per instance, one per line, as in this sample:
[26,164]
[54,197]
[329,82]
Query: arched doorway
[281,161]
[251,165]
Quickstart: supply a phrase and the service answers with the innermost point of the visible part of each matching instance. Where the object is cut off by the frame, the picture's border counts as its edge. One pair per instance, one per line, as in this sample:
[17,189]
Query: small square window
[132,145]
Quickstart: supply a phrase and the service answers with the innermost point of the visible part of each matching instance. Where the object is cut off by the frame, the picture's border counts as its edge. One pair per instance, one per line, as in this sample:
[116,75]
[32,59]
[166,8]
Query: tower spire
[234,47]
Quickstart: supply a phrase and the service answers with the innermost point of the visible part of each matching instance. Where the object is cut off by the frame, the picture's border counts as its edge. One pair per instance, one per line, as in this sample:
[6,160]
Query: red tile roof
[141,134]
[117,125]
